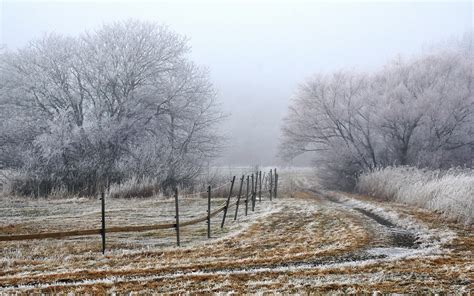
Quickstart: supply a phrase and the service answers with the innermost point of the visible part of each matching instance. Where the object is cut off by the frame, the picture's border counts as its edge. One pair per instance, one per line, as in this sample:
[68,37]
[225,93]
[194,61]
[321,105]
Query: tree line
[417,111]
[124,100]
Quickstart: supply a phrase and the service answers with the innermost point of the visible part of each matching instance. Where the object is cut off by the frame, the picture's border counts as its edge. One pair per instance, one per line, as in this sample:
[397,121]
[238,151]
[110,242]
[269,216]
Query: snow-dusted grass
[449,192]
[292,245]
[135,187]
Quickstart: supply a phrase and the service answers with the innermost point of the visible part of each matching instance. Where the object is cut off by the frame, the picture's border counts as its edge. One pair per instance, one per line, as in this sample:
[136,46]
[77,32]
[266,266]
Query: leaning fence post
[227,202]
[208,211]
[102,232]
[247,198]
[238,198]
[177,215]
[260,187]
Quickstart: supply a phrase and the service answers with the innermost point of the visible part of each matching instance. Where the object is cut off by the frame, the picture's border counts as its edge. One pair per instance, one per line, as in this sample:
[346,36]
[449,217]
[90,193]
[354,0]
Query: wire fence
[256,186]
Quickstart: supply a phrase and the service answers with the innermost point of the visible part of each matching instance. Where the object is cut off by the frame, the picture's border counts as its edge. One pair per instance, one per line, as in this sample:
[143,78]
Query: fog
[258,52]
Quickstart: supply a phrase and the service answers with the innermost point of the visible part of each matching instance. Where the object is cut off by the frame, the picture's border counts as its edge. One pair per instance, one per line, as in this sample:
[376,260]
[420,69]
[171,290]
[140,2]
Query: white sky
[258,51]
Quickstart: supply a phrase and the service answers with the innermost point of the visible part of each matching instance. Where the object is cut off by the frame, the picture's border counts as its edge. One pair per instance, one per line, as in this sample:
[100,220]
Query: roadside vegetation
[449,192]
[397,133]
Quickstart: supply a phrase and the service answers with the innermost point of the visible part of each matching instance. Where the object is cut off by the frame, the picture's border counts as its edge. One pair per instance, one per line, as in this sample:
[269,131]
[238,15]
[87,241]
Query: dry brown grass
[288,250]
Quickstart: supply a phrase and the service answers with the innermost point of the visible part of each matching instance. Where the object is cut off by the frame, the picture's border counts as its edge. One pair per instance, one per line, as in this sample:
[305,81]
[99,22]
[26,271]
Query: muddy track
[313,238]
[397,236]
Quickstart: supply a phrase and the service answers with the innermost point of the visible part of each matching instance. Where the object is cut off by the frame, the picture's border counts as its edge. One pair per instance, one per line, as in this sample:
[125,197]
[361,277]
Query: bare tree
[333,117]
[122,100]
[418,112]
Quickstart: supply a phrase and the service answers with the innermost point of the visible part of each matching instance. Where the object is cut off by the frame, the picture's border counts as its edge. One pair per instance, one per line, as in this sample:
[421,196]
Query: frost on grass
[301,242]
[449,192]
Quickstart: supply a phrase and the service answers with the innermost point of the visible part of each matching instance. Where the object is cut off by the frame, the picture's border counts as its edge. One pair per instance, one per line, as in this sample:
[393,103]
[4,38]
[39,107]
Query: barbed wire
[203,192]
[246,173]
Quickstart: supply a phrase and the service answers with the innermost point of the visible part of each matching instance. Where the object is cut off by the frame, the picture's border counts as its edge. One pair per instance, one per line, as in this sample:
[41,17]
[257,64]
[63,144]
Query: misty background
[258,52]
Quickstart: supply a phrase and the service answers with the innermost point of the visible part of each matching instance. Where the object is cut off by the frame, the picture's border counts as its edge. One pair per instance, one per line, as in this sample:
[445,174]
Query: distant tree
[330,116]
[123,100]
[418,112]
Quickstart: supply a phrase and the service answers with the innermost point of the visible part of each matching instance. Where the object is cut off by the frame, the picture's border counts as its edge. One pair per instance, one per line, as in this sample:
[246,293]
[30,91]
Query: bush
[450,192]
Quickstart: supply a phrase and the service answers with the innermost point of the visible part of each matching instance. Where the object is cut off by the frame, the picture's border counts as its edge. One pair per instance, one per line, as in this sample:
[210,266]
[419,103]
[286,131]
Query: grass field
[305,241]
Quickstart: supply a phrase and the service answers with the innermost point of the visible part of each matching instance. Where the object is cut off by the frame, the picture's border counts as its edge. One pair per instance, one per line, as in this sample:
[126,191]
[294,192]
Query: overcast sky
[259,51]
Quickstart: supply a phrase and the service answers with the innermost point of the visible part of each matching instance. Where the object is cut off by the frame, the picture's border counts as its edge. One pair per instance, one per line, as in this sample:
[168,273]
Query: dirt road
[310,241]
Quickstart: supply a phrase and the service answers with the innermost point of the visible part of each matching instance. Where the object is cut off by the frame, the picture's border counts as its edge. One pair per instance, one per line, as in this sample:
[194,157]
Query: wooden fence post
[247,198]
[271,185]
[208,211]
[227,202]
[254,185]
[103,221]
[260,187]
[276,184]
[238,198]
[177,215]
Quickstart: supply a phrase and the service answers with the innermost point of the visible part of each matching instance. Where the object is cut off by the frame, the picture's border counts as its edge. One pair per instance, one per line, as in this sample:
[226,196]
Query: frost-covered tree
[333,117]
[427,109]
[418,112]
[123,100]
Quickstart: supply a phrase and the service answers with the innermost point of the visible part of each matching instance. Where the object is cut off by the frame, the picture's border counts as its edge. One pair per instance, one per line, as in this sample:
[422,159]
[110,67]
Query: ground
[304,241]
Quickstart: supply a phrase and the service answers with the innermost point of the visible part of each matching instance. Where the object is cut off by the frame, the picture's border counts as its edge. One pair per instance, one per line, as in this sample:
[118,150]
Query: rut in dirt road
[388,234]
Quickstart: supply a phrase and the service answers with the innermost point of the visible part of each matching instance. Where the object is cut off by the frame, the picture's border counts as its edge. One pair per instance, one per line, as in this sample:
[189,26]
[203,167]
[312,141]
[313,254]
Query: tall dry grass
[450,192]
[135,187]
